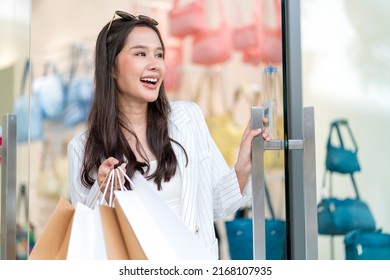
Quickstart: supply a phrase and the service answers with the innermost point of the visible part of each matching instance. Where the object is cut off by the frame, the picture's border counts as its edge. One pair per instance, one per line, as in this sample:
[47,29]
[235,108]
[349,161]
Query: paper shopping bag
[86,238]
[102,233]
[54,240]
[120,240]
[161,234]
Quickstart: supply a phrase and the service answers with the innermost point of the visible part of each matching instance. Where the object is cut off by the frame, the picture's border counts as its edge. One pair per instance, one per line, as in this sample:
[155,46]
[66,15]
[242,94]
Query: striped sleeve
[226,194]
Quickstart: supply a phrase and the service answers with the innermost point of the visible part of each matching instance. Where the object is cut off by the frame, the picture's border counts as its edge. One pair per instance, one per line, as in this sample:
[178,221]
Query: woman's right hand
[106,167]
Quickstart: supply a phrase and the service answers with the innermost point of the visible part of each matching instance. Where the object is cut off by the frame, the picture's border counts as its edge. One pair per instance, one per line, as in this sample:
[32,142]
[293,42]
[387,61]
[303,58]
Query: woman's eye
[140,54]
[160,55]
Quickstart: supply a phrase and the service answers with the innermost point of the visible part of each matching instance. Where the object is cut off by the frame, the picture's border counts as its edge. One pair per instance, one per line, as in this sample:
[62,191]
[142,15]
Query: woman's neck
[136,114]
[136,118]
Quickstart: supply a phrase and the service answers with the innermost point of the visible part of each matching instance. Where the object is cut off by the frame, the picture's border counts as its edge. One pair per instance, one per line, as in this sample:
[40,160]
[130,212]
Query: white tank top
[171,191]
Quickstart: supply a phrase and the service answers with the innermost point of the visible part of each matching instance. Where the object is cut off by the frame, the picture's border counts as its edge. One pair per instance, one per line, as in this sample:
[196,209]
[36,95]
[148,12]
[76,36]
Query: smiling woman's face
[140,67]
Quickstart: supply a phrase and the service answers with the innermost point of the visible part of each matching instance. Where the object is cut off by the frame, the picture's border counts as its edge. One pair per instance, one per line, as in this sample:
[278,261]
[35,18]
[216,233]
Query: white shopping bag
[162,235]
[86,238]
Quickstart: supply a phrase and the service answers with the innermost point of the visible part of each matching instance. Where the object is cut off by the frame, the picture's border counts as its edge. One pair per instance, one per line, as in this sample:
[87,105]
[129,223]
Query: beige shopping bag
[113,237]
[54,240]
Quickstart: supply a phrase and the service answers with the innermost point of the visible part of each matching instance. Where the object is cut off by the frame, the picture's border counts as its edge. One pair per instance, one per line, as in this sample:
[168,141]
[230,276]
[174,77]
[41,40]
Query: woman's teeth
[149,80]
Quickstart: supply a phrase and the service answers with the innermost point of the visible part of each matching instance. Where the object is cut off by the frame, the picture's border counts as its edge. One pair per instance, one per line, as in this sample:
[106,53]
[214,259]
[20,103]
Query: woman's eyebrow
[145,47]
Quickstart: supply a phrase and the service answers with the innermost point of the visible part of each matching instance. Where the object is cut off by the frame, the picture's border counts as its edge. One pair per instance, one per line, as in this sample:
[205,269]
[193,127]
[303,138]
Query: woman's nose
[154,67]
[154,64]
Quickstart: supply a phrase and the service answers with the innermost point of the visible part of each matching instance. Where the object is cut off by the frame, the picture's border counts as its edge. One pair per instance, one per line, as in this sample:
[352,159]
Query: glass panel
[345,76]
[14,50]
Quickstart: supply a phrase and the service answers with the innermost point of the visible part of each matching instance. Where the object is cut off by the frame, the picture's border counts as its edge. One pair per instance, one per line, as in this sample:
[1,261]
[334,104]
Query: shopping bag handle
[112,178]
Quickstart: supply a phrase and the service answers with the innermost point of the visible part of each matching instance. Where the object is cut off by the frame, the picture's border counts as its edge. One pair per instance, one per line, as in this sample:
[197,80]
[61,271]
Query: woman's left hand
[243,165]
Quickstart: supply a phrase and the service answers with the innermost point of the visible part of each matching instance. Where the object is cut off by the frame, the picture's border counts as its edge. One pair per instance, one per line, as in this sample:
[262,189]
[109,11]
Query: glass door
[14,91]
[345,66]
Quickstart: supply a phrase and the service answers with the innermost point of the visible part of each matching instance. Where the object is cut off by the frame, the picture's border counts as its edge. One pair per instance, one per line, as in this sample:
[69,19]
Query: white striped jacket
[210,188]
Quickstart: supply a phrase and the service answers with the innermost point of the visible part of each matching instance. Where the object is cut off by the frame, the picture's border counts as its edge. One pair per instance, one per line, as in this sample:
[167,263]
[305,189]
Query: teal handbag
[340,216]
[239,233]
[367,245]
[339,158]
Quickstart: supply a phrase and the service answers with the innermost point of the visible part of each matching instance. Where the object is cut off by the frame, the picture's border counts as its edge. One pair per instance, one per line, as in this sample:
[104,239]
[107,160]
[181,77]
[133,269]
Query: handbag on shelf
[224,130]
[50,92]
[213,46]
[339,158]
[240,235]
[80,88]
[188,19]
[367,245]
[28,112]
[247,35]
[269,49]
[339,216]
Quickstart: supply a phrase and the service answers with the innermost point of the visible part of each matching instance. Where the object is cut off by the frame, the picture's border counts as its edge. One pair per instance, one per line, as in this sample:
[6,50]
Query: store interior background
[345,70]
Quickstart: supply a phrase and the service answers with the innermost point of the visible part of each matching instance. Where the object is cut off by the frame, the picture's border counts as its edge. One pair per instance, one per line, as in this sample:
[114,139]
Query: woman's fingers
[265,122]
[265,133]
[123,166]
[105,168]
[110,162]
[254,132]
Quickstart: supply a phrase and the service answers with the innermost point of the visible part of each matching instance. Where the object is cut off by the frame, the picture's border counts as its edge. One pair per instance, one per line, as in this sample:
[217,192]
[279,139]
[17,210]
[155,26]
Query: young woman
[133,125]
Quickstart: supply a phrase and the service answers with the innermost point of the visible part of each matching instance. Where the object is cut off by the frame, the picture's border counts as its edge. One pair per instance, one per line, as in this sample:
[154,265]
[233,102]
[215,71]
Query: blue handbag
[339,158]
[28,112]
[367,245]
[80,90]
[240,235]
[340,216]
[49,90]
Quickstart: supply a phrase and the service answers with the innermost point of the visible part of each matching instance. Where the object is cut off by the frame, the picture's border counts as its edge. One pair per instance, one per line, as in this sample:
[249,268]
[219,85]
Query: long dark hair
[106,124]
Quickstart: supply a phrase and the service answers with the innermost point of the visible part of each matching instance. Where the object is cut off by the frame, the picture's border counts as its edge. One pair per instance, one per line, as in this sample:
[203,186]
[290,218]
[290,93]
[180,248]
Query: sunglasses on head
[131,17]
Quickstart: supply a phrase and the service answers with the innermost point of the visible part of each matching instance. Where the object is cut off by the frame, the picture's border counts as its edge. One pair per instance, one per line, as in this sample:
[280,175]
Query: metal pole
[292,95]
[258,189]
[8,189]
[310,189]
